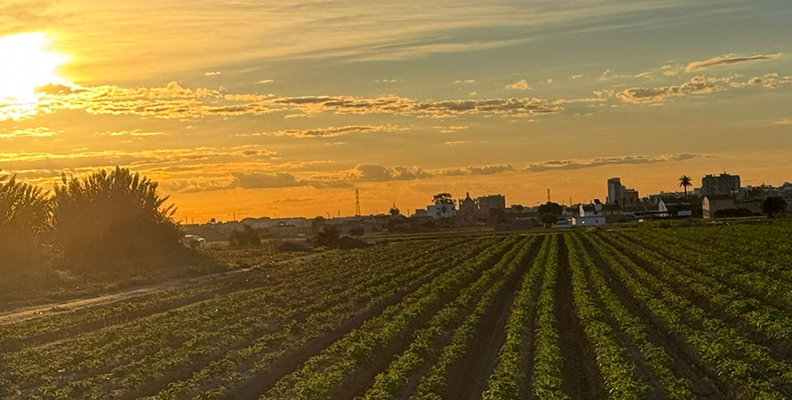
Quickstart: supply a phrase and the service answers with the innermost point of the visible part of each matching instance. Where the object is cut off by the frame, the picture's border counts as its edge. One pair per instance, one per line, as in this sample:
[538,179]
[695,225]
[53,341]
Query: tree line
[104,221]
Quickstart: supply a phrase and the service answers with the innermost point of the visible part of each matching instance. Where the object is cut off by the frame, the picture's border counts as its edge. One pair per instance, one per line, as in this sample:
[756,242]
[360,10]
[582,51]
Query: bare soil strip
[581,375]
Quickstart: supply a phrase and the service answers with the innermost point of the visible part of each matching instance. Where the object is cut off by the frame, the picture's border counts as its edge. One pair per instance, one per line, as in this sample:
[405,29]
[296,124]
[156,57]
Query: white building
[590,220]
[441,210]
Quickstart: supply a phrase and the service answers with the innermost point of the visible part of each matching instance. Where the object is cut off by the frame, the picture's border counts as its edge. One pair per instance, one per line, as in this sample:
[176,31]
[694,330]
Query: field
[659,313]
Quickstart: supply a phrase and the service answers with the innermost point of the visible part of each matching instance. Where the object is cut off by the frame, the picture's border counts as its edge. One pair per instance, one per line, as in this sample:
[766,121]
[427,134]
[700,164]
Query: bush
[245,237]
[25,214]
[293,246]
[733,213]
[108,219]
[328,237]
[774,206]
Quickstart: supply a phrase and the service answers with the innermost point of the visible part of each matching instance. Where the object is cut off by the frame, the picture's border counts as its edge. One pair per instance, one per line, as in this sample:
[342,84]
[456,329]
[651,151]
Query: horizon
[285,109]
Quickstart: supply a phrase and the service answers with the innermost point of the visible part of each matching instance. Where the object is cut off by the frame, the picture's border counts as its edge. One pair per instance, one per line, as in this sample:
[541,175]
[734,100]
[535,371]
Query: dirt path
[581,375]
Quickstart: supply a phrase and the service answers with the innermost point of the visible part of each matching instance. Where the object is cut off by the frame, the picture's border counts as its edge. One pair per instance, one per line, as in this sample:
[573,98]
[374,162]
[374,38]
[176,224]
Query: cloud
[478,170]
[768,81]
[577,76]
[647,74]
[522,84]
[265,81]
[213,73]
[330,132]
[132,133]
[451,128]
[38,132]
[783,122]
[458,81]
[458,142]
[567,165]
[728,59]
[265,180]
[379,173]
[177,102]
[696,85]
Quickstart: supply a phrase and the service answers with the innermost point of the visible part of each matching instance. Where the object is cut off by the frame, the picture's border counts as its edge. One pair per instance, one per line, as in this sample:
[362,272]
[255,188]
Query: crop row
[396,377]
[208,324]
[323,373]
[749,367]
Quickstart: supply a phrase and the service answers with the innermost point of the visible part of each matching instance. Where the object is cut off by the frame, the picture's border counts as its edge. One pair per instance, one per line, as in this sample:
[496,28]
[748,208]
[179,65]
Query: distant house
[716,202]
[588,220]
[193,241]
[441,210]
[674,208]
[592,214]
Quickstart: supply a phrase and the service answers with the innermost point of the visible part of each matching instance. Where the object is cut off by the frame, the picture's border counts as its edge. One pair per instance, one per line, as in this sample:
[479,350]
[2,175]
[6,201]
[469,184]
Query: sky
[285,108]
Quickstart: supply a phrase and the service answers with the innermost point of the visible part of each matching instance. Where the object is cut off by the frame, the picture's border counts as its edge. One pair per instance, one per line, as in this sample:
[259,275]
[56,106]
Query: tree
[107,219]
[548,219]
[443,198]
[551,208]
[328,237]
[317,224]
[25,214]
[245,237]
[774,206]
[685,182]
[357,231]
[394,212]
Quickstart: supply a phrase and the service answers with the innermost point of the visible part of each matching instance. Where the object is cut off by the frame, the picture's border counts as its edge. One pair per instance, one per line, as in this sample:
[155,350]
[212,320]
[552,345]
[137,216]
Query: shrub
[25,214]
[328,237]
[245,237]
[110,219]
[774,206]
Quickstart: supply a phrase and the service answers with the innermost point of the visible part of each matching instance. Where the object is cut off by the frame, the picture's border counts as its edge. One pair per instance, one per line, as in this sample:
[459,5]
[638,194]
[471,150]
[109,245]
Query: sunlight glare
[28,62]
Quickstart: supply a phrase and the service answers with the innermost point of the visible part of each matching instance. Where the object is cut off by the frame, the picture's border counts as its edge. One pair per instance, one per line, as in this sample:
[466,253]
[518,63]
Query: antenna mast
[357,202]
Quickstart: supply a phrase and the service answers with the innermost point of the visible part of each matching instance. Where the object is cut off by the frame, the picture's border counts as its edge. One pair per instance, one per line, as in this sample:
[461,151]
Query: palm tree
[684,182]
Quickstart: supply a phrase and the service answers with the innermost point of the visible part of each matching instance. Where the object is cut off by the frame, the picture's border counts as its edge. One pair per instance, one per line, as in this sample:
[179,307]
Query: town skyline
[287,108]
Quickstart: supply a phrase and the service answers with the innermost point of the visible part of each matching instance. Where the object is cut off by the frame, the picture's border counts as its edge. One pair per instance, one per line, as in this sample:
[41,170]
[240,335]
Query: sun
[28,62]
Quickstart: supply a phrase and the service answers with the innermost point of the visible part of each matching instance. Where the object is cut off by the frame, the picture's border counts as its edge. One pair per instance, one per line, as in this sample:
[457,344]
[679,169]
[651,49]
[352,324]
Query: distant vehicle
[194,242]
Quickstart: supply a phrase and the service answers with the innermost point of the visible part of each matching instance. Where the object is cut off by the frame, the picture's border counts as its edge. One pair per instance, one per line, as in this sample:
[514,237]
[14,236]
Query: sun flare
[29,61]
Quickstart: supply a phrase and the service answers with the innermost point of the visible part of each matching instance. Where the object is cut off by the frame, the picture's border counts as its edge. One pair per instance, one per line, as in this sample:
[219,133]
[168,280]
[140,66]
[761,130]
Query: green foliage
[107,218]
[774,206]
[25,213]
[733,213]
[551,208]
[246,237]
[548,219]
[328,237]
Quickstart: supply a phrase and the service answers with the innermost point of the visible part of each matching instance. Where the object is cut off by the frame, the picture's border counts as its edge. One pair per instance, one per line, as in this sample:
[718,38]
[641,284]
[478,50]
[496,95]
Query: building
[620,194]
[468,209]
[674,208]
[629,197]
[490,203]
[590,220]
[614,191]
[441,210]
[714,203]
[720,184]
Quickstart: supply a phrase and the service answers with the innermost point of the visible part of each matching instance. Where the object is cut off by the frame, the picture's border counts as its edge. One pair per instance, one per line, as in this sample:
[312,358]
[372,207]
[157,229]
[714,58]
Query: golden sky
[285,108]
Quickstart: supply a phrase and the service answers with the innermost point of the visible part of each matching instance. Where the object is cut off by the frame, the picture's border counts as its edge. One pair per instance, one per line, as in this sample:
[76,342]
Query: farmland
[678,313]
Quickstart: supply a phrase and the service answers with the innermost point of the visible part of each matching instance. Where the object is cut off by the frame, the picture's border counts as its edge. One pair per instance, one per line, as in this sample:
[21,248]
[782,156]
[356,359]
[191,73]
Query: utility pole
[357,203]
[548,195]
